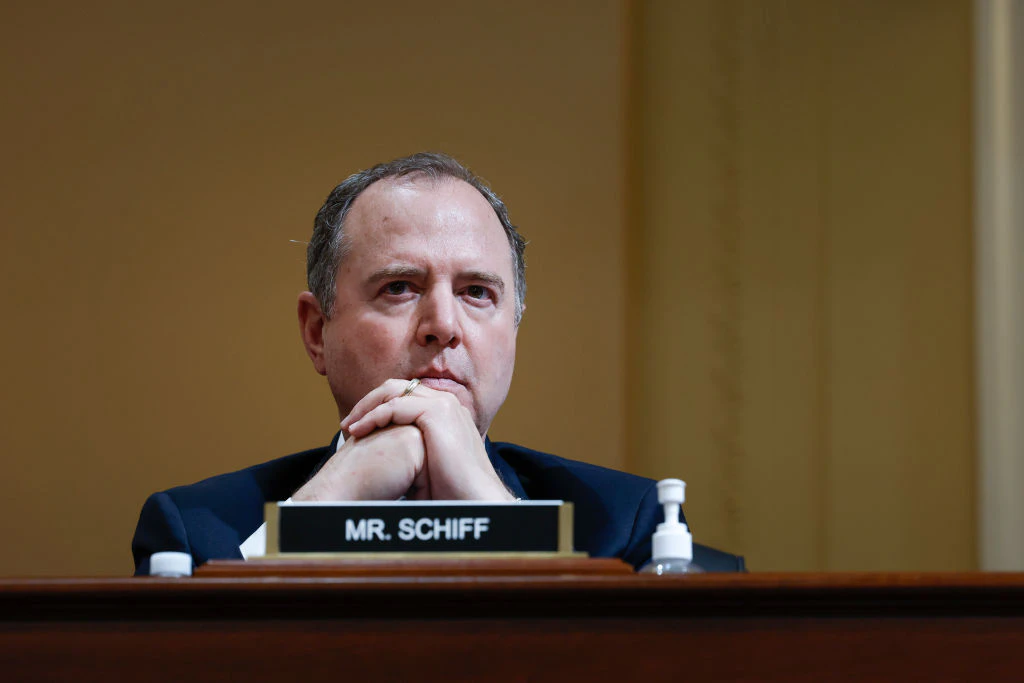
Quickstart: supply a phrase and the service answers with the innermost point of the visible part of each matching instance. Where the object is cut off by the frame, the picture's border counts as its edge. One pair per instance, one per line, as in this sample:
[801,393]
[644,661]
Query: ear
[311,327]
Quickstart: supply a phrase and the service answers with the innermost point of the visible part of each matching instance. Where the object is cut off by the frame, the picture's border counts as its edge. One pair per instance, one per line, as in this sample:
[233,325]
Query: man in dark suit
[417,287]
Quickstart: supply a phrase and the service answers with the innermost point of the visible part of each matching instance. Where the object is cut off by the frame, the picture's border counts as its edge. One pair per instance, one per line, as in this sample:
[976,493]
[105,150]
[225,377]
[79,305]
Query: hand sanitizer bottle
[672,544]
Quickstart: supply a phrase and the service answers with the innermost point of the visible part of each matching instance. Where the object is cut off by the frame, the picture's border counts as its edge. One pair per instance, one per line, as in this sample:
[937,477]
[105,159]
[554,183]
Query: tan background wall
[158,159]
[790,231]
[804,356]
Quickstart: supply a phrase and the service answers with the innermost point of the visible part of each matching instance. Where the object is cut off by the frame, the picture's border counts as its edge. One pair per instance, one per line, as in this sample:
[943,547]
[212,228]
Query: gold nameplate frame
[534,528]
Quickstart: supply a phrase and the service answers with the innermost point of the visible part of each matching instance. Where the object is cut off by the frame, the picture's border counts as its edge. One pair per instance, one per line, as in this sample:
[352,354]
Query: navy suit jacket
[615,513]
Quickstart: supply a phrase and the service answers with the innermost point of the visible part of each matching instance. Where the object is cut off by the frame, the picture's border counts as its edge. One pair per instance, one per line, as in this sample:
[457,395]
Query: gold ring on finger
[411,386]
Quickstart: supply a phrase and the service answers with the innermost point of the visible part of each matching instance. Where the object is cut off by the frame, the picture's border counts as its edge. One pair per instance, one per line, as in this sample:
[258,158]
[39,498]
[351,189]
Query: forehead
[444,223]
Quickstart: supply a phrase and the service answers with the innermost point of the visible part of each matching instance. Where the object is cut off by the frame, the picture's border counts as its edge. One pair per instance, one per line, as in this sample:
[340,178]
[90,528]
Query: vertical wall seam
[633,232]
[823,436]
[726,315]
[998,177]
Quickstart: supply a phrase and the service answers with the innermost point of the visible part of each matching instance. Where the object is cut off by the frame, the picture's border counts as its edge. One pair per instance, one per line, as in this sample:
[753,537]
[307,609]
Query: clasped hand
[423,445]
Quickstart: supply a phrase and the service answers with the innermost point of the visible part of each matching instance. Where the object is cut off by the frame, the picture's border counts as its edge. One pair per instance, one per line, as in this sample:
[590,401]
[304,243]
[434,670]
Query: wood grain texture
[788,627]
[413,566]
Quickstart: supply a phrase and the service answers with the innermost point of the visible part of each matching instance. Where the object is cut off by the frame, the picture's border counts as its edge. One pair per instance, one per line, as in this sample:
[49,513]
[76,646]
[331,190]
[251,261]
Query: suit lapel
[505,471]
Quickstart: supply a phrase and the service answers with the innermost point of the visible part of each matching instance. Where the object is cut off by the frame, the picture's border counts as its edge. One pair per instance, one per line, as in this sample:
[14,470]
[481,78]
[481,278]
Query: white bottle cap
[672,491]
[672,539]
[171,564]
[672,542]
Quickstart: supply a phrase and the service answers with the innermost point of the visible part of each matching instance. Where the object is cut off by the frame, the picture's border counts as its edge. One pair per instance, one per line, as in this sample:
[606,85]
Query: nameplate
[360,528]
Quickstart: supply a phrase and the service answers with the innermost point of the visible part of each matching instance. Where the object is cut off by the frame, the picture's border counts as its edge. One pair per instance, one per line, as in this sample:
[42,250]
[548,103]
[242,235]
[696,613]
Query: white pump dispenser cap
[171,564]
[672,539]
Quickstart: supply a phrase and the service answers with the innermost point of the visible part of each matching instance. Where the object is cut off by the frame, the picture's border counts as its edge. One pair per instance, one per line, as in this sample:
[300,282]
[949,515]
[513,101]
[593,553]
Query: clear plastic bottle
[671,565]
[672,544]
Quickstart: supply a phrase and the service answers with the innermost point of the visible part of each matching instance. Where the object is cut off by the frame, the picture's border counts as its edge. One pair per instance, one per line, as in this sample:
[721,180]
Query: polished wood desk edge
[446,566]
[758,582]
[597,596]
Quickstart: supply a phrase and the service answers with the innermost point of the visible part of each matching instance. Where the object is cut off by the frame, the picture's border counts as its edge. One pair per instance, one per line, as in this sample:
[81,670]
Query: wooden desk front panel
[519,650]
[716,629]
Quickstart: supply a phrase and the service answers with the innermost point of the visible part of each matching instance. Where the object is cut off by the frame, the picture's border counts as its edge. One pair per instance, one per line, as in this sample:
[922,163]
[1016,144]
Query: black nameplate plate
[418,527]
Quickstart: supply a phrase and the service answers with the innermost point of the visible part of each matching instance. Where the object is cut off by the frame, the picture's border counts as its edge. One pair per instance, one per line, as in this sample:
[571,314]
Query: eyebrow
[392,272]
[399,272]
[492,279]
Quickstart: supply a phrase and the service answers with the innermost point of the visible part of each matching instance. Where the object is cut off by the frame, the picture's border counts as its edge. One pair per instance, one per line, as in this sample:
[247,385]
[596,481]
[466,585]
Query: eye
[398,289]
[478,292]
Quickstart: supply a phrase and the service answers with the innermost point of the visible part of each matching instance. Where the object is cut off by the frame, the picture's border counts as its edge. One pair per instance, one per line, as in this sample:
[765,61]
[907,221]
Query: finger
[420,494]
[420,489]
[390,389]
[403,410]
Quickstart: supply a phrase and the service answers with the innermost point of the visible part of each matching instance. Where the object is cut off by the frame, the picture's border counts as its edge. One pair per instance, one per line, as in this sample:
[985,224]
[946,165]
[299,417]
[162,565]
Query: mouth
[441,384]
[441,380]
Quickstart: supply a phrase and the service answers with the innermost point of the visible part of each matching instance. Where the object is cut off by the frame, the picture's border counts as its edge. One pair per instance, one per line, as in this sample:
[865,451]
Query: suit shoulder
[537,469]
[275,479]
[212,517]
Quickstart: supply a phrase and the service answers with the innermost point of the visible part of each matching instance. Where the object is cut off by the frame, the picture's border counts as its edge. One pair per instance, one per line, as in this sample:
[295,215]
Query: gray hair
[328,246]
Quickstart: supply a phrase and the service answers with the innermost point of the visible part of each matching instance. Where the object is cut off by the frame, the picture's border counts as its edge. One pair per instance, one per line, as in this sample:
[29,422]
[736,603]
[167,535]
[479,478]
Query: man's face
[424,290]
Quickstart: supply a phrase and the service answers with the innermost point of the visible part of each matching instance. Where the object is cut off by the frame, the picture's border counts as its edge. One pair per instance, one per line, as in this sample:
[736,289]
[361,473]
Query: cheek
[510,362]
[363,348]
[501,356]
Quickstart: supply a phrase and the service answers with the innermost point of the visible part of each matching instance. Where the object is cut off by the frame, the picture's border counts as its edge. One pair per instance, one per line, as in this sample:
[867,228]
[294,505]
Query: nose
[438,321]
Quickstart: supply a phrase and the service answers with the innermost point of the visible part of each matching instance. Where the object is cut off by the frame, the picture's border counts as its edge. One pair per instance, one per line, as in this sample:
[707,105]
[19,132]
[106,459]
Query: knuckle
[408,433]
[410,436]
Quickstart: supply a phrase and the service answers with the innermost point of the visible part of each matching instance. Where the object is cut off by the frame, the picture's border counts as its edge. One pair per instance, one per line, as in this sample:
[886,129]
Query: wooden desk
[504,627]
